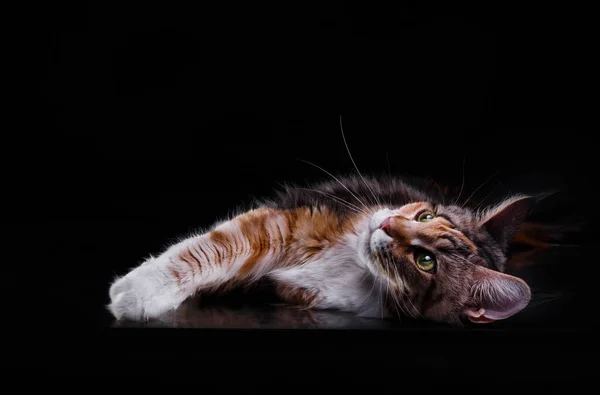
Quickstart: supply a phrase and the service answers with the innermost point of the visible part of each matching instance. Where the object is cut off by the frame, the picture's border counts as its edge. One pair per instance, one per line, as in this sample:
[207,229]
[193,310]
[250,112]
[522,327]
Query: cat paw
[145,293]
[125,302]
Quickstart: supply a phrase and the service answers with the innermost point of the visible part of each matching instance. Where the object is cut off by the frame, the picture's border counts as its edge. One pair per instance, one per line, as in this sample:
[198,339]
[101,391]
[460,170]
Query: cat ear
[502,221]
[495,296]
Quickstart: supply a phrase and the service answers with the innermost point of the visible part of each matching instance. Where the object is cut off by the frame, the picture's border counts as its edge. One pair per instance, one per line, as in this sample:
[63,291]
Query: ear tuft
[502,221]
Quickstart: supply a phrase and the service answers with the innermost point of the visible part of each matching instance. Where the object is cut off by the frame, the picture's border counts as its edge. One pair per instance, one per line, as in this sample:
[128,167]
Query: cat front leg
[237,251]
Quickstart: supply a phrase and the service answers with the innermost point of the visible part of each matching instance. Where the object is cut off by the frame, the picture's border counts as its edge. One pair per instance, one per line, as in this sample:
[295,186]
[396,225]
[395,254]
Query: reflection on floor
[192,315]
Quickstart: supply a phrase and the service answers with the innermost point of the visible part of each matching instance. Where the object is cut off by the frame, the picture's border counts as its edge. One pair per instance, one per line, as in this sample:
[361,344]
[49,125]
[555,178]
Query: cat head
[446,263]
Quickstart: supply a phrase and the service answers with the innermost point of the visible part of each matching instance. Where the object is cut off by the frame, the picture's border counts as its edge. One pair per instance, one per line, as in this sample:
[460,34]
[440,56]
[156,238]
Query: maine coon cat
[376,247]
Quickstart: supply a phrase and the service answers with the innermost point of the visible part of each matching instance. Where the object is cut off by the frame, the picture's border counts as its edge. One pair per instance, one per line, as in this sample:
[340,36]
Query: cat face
[444,263]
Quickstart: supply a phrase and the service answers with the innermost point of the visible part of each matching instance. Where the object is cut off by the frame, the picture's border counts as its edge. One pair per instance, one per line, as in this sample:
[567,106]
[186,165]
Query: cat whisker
[392,291]
[390,175]
[385,303]
[406,296]
[387,159]
[366,274]
[355,166]
[479,187]
[397,305]
[484,198]
[337,199]
[441,193]
[402,307]
[381,266]
[374,280]
[336,179]
[540,299]
[393,284]
[463,179]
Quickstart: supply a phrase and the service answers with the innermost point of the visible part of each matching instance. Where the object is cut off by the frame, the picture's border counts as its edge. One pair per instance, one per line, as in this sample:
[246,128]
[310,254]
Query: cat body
[371,247]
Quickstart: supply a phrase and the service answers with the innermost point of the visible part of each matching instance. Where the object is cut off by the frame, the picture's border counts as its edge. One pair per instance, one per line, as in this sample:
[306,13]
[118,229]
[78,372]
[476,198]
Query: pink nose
[398,228]
[386,226]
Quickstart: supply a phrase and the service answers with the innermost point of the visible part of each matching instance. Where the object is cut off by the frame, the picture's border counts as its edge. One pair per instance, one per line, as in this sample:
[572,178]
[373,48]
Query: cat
[374,247]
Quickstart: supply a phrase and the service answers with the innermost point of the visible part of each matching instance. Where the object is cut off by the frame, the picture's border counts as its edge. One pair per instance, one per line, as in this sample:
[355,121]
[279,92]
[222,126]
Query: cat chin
[379,240]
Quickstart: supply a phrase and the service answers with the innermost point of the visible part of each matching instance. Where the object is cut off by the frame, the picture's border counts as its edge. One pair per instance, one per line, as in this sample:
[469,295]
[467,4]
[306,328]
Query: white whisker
[341,183]
[406,296]
[476,189]
[356,167]
[484,198]
[346,203]
[462,185]
[441,193]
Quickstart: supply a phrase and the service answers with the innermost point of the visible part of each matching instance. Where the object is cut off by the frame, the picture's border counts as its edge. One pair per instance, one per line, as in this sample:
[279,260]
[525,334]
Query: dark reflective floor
[193,315]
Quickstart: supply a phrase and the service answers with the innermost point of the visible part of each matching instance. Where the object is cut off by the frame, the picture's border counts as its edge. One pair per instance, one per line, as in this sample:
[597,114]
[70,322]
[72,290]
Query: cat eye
[425,261]
[426,216]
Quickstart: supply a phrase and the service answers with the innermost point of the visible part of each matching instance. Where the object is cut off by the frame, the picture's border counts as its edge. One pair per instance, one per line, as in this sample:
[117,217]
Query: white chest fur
[340,279]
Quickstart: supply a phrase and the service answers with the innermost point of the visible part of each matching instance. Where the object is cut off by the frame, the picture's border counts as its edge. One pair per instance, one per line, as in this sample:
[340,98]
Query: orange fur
[314,230]
[253,228]
[188,258]
[176,274]
[292,237]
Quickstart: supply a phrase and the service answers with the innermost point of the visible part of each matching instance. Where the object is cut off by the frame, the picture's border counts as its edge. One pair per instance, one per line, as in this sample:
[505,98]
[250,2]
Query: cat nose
[386,225]
[398,227]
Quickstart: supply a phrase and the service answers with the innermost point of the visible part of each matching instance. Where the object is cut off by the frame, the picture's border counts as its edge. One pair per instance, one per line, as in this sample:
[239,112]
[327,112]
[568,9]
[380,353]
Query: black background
[145,121]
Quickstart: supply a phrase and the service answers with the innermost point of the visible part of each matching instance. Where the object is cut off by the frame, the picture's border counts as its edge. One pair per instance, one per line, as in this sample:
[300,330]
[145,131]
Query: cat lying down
[372,247]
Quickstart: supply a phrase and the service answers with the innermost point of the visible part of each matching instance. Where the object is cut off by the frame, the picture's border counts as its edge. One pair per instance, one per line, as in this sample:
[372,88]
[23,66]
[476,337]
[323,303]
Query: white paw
[124,301]
[146,292]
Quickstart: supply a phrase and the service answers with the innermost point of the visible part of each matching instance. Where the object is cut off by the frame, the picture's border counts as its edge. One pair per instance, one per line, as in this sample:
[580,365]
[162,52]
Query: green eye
[425,261]
[426,216]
